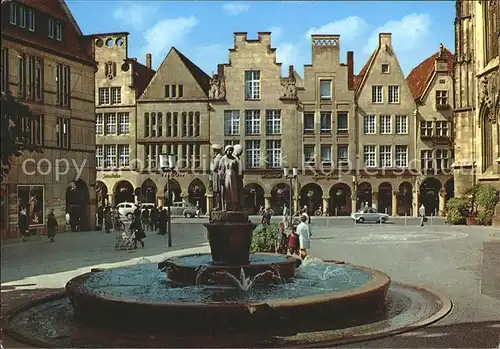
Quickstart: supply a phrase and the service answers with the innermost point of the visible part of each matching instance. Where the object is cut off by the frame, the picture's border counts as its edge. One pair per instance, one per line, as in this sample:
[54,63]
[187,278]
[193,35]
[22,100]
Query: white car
[126,209]
[148,205]
[369,214]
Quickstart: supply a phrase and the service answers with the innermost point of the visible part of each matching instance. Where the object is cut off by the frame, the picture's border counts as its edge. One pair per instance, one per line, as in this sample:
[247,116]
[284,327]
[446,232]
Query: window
[38,90]
[31,20]
[123,123]
[325,90]
[146,124]
[116,95]
[377,94]
[401,156]
[181,91]
[184,124]
[385,155]
[385,124]
[167,91]
[401,124]
[110,156]
[426,159]
[21,75]
[153,125]
[442,128]
[13,13]
[159,122]
[326,122]
[34,126]
[441,98]
[369,125]
[308,123]
[273,122]
[22,17]
[252,84]
[58,31]
[342,155]
[326,155]
[252,122]
[231,122]
[50,29]
[197,124]
[151,155]
[393,94]
[123,155]
[191,124]
[99,124]
[385,68]
[30,77]
[252,154]
[173,91]
[63,85]
[370,155]
[426,128]
[63,132]
[309,155]
[342,123]
[442,158]
[274,154]
[104,95]
[4,70]
[175,127]
[99,156]
[109,124]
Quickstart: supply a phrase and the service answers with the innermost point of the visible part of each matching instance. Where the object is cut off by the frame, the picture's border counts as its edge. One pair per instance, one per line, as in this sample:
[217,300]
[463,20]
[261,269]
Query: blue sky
[203,30]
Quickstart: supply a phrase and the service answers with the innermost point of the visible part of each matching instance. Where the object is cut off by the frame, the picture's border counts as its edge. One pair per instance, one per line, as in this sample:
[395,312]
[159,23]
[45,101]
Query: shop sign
[272,176]
[328,177]
[110,175]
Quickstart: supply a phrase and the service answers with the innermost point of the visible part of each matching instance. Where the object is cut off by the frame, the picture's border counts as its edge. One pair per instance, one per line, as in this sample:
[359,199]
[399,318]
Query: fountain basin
[199,269]
[183,309]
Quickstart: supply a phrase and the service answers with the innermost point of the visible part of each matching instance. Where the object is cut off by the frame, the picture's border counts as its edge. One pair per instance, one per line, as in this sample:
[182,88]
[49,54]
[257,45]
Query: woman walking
[51,225]
[304,236]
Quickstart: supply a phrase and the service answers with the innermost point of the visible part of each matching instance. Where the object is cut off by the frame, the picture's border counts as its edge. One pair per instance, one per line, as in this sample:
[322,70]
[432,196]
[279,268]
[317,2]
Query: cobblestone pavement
[461,262]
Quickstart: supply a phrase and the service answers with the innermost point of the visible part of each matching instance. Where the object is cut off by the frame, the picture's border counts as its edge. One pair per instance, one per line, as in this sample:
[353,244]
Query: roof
[420,77]
[73,44]
[199,75]
[141,78]
[358,79]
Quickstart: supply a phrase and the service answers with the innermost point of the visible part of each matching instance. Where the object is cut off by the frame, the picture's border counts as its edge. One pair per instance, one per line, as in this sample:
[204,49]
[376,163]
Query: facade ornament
[288,88]
[217,87]
[490,94]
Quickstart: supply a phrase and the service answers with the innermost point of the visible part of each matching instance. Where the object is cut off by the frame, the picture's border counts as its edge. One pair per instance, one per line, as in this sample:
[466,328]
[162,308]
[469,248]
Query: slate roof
[358,79]
[141,78]
[421,75]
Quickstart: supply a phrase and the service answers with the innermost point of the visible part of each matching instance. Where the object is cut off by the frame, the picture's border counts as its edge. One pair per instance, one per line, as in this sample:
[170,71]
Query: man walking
[421,213]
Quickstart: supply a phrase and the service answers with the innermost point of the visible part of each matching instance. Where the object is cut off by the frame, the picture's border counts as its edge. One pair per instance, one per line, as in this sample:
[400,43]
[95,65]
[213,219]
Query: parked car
[183,209]
[369,214]
[126,209]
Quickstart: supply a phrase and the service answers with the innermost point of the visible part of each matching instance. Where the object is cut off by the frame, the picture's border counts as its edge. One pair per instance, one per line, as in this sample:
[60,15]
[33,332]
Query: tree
[15,134]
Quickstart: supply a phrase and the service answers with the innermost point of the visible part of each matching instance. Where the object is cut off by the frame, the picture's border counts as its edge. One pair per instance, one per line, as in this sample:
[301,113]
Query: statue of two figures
[227,177]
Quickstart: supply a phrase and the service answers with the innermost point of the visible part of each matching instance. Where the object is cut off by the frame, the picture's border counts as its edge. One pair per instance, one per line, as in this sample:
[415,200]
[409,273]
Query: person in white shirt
[304,234]
[285,215]
[421,213]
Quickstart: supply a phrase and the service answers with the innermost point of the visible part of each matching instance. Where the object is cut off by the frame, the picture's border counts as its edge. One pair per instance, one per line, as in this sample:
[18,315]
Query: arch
[311,195]
[429,195]
[175,192]
[253,198]
[364,195]
[197,194]
[449,189]
[280,195]
[487,139]
[124,192]
[340,200]
[148,191]
[101,197]
[384,204]
[77,204]
[405,199]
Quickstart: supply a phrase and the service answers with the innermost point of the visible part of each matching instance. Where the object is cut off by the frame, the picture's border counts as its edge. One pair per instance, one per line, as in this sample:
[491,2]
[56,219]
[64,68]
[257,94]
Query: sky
[203,30]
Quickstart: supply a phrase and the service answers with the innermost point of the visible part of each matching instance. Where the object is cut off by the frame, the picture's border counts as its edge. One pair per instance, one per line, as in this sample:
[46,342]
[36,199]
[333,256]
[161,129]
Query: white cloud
[207,57]
[235,8]
[276,34]
[348,28]
[407,34]
[136,15]
[288,54]
[168,32]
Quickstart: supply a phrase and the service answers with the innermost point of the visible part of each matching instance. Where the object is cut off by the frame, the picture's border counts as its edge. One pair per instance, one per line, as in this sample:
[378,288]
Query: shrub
[264,238]
[457,210]
[486,197]
[484,217]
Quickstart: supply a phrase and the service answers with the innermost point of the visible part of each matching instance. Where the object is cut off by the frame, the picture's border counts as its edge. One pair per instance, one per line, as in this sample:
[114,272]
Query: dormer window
[58,31]
[13,13]
[385,68]
[31,20]
[50,28]
[22,17]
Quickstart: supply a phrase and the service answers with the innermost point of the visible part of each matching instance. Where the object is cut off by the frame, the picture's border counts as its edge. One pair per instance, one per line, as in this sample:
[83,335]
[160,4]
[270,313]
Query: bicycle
[318,213]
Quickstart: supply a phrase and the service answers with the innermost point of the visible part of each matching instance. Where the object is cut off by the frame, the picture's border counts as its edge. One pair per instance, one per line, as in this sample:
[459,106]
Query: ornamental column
[160,201]
[442,202]
[267,200]
[326,200]
[374,199]
[394,203]
[209,202]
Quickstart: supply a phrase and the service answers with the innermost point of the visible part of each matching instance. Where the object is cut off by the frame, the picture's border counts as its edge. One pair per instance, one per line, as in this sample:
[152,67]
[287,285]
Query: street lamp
[291,177]
[167,165]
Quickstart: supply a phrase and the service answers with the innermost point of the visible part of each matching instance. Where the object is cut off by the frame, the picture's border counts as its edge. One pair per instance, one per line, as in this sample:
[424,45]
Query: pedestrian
[304,213]
[51,225]
[23,224]
[100,217]
[268,213]
[137,232]
[145,218]
[421,213]
[108,221]
[285,215]
[281,240]
[304,236]
[198,211]
[67,217]
[293,241]
[153,218]
[162,221]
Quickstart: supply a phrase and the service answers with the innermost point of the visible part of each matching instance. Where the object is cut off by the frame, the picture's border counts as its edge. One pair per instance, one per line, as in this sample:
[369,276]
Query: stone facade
[56,80]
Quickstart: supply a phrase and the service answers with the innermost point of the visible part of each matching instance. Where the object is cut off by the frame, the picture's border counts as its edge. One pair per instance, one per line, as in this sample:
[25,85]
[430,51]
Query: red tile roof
[420,76]
[73,44]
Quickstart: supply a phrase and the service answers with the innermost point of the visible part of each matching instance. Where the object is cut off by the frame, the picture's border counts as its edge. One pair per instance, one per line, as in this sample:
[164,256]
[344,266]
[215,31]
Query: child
[281,240]
[293,242]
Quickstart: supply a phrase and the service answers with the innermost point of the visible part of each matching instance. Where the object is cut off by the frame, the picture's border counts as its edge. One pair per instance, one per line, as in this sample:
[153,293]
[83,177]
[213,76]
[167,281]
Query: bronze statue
[214,177]
[230,176]
[238,151]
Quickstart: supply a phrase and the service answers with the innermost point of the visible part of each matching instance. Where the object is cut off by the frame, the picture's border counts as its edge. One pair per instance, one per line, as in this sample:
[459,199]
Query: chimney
[350,70]
[385,39]
[148,60]
[291,71]
[220,70]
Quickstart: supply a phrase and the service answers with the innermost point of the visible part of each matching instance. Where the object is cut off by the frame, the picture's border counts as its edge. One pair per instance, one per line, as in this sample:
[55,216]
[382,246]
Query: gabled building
[385,124]
[119,82]
[431,83]
[46,63]
[174,118]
